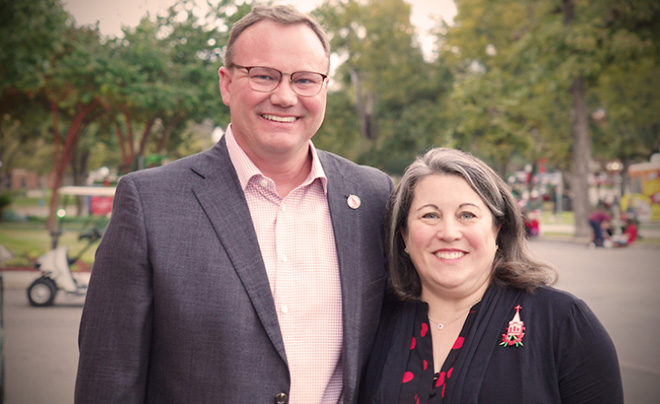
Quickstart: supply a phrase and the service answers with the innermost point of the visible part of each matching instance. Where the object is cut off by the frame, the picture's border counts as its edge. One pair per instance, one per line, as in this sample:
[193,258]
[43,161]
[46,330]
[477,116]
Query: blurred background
[560,97]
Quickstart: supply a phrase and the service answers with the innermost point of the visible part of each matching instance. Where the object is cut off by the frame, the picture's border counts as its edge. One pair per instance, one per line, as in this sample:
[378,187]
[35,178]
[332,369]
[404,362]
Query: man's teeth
[450,255]
[287,119]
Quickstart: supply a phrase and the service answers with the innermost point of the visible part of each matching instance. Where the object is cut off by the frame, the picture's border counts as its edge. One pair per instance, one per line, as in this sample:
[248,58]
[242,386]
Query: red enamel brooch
[515,332]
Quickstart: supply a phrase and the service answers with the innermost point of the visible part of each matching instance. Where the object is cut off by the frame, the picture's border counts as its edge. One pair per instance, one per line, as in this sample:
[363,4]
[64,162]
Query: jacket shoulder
[332,160]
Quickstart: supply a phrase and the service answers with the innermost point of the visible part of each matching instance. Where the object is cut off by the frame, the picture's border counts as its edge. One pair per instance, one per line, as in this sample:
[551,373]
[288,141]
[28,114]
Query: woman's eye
[429,215]
[467,215]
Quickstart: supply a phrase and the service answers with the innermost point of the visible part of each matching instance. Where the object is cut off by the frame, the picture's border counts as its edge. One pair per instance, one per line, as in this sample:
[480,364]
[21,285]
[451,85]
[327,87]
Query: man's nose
[283,94]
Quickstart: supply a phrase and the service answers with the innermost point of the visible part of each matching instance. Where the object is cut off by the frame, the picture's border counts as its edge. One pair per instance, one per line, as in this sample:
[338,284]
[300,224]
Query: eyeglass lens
[265,79]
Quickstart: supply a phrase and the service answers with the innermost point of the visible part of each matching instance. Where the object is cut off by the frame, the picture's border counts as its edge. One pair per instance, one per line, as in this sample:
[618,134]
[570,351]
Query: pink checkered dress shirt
[298,247]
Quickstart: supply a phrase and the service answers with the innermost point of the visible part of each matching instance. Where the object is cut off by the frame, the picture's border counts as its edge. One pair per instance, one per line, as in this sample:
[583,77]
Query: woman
[473,318]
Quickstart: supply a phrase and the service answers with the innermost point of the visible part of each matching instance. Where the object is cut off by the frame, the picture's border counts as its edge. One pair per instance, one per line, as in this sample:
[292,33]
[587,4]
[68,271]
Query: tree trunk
[581,158]
[128,147]
[56,134]
[166,133]
[62,163]
[365,107]
[80,169]
[581,143]
[129,135]
[145,136]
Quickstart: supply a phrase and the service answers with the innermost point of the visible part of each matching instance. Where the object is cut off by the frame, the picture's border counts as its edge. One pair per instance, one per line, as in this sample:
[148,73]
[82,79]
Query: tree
[386,79]
[157,80]
[138,88]
[73,92]
[626,126]
[22,129]
[31,33]
[531,70]
[377,40]
[164,78]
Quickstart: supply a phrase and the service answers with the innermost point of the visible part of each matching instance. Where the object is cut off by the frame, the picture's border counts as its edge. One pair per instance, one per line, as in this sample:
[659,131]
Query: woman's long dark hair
[513,265]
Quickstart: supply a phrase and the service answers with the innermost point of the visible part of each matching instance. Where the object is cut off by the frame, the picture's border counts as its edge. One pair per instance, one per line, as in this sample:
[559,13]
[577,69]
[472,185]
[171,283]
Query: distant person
[629,234]
[250,273]
[472,318]
[599,220]
[532,226]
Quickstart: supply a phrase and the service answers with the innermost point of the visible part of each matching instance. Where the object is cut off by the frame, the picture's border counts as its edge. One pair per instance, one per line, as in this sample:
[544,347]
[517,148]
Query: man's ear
[225,79]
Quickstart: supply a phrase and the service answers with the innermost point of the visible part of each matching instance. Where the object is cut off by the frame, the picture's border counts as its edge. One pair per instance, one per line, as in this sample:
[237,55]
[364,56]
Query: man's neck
[287,173]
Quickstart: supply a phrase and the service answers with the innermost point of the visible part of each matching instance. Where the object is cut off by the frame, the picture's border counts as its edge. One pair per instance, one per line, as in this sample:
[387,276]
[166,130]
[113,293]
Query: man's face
[274,126]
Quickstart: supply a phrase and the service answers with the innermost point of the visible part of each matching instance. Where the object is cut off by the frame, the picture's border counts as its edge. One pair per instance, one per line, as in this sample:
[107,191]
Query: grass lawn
[26,241]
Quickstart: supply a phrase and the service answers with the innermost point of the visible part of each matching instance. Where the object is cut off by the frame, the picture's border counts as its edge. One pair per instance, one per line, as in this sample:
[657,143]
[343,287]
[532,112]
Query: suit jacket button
[280,398]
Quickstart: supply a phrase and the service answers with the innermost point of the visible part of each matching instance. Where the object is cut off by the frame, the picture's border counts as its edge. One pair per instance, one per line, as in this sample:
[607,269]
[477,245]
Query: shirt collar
[246,170]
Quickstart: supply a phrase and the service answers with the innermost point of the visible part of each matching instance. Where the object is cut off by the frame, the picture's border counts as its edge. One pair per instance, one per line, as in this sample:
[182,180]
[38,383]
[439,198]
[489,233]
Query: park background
[560,97]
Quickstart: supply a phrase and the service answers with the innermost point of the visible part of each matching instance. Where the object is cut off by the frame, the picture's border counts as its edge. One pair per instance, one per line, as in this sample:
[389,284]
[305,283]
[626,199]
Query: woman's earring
[406,250]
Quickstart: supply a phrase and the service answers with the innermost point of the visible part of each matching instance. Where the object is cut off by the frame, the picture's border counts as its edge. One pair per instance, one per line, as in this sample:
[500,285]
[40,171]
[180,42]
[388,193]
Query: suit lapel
[222,199]
[346,225]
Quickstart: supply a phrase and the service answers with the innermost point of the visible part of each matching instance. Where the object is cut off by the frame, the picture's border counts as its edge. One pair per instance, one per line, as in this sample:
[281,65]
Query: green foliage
[340,132]
[393,96]
[30,33]
[515,62]
[499,87]
[164,72]
[5,199]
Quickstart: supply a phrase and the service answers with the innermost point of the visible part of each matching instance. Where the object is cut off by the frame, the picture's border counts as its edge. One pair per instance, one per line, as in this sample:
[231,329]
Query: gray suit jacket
[179,308]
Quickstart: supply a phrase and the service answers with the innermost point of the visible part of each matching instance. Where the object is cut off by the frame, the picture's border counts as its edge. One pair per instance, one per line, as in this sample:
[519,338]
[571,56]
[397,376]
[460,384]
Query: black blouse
[420,384]
[515,347]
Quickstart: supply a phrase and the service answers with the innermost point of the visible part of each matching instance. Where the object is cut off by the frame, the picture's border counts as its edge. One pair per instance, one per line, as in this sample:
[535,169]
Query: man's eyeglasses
[266,79]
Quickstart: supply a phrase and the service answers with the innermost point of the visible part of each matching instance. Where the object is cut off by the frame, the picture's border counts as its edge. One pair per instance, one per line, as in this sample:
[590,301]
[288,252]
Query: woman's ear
[404,237]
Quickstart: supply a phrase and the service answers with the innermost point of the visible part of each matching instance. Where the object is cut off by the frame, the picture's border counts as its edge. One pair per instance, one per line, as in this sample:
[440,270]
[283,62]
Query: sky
[112,15]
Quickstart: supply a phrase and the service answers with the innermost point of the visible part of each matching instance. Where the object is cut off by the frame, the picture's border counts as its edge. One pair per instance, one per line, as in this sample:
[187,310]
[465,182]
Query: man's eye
[264,77]
[307,78]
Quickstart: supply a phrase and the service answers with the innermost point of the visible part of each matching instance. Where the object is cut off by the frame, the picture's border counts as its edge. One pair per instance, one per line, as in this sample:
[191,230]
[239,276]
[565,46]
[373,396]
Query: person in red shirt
[629,234]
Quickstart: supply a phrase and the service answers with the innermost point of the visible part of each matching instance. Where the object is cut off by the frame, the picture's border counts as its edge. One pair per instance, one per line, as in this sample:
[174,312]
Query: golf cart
[55,265]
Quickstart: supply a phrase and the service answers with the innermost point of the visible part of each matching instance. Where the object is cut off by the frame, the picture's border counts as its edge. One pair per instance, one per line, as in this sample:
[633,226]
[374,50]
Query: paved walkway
[41,350]
[23,279]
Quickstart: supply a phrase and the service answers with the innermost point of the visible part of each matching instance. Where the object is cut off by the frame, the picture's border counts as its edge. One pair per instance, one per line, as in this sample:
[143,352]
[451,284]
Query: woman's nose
[448,230]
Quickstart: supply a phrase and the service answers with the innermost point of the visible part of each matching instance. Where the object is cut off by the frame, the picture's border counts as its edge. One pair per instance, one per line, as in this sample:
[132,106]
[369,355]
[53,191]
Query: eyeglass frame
[248,68]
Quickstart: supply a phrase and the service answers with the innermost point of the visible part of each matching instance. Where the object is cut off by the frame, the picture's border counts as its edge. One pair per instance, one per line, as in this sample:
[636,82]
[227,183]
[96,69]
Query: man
[249,273]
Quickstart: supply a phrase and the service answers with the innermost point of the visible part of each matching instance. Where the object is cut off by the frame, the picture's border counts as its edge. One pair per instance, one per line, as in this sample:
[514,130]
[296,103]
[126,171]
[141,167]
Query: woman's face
[451,237]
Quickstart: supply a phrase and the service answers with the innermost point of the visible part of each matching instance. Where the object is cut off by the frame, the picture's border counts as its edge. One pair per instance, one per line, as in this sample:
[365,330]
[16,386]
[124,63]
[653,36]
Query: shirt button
[285,308]
[283,207]
[280,398]
[263,182]
[283,259]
